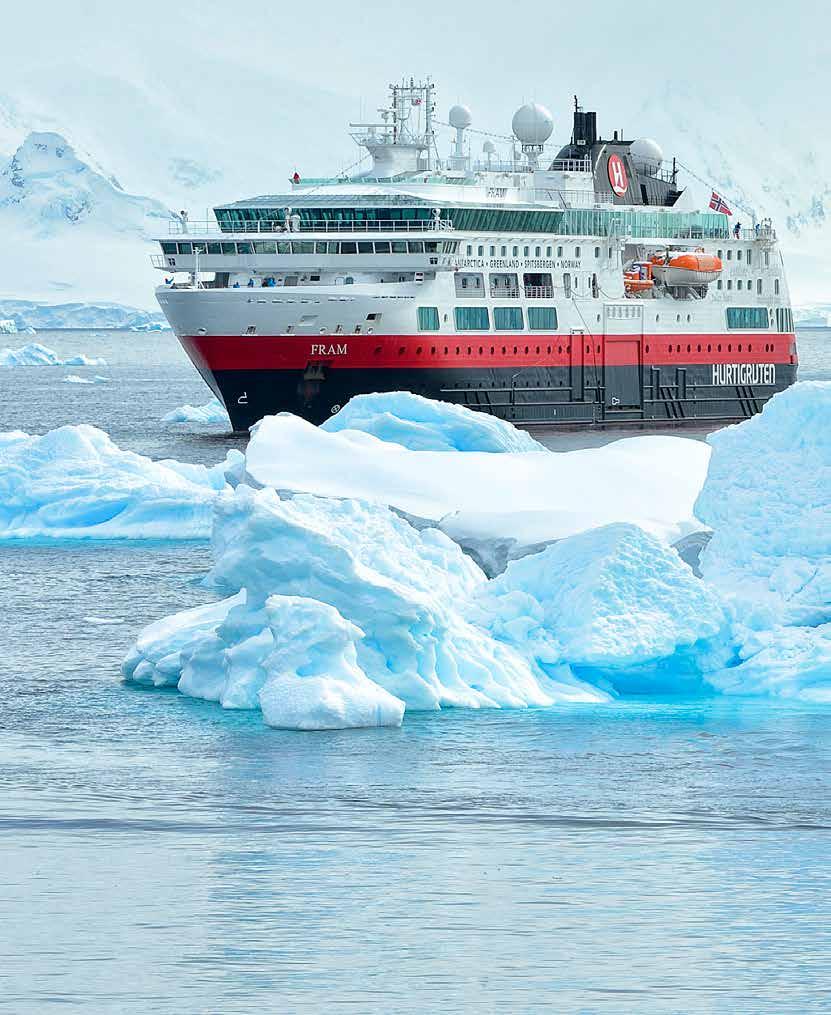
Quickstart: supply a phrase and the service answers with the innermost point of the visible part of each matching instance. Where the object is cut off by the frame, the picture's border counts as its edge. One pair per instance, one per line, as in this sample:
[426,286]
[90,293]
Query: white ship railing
[201,228]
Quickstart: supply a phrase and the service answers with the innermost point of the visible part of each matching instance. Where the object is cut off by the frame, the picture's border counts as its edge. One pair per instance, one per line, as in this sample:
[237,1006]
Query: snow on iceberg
[402,590]
[75,483]
[767,497]
[212,412]
[619,606]
[526,499]
[425,424]
[35,354]
[8,327]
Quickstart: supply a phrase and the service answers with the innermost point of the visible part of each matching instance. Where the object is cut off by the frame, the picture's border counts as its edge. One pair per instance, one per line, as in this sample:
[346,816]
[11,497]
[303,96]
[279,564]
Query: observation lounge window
[382,247]
[348,247]
[542,318]
[214,248]
[265,247]
[472,318]
[431,247]
[283,247]
[415,247]
[747,317]
[245,248]
[399,246]
[365,247]
[428,319]
[229,249]
[507,318]
[302,247]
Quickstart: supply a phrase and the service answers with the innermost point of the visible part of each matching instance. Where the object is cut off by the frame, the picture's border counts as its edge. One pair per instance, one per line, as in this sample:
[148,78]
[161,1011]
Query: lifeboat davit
[688,269]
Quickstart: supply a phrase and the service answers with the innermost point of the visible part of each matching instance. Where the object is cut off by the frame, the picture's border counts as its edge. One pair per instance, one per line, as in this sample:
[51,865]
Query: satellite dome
[460,117]
[646,155]
[489,147]
[532,124]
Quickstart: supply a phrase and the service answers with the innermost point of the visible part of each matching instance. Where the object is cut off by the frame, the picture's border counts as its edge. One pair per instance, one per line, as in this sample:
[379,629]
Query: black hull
[550,396]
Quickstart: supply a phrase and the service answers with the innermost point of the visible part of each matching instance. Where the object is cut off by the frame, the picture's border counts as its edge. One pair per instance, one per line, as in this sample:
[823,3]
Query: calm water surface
[161,855]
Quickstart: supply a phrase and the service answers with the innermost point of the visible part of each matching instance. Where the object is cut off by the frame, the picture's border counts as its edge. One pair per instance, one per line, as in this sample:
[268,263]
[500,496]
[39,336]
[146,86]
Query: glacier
[75,483]
[212,412]
[35,354]
[426,424]
[767,497]
[524,499]
[31,315]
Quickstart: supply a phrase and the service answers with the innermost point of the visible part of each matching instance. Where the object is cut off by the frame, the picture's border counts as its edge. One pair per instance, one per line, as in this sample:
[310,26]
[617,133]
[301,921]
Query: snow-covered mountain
[70,229]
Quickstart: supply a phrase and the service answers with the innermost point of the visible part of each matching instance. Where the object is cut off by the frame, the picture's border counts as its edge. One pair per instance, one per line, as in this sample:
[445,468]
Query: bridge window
[507,318]
[417,247]
[185,248]
[747,317]
[542,318]
[472,318]
[428,319]
[170,248]
[229,249]
[284,247]
[265,247]
[382,247]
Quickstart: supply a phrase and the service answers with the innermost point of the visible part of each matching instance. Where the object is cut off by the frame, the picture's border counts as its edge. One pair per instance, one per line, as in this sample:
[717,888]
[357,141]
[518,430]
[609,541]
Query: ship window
[719,284]
[382,247]
[526,251]
[747,317]
[559,251]
[265,247]
[472,318]
[284,247]
[170,248]
[738,255]
[503,251]
[377,317]
[577,252]
[415,247]
[428,319]
[400,246]
[542,318]
[214,248]
[491,251]
[567,284]
[245,248]
[303,247]
[480,251]
[739,284]
[548,251]
[469,250]
[507,318]
[776,286]
[721,255]
[364,247]
[729,283]
[758,286]
[729,255]
[514,251]
[749,257]
[229,249]
[597,251]
[349,280]
[348,247]
[184,248]
[537,251]
[767,258]
[320,247]
[431,247]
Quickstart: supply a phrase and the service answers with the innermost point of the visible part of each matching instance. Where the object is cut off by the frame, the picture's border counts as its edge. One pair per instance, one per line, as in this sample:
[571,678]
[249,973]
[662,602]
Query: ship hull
[613,386]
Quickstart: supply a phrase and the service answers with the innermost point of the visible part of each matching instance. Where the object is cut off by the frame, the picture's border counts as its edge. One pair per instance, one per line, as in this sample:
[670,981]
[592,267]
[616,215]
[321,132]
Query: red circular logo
[618,179]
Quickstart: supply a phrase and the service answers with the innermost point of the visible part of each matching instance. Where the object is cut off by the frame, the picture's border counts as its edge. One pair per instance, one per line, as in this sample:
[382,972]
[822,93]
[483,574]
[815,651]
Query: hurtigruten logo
[744,373]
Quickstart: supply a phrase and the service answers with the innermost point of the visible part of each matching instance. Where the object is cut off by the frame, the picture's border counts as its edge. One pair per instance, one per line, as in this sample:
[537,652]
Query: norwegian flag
[717,203]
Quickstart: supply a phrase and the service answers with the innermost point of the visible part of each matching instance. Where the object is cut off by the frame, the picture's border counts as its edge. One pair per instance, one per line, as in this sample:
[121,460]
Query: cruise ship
[574,285]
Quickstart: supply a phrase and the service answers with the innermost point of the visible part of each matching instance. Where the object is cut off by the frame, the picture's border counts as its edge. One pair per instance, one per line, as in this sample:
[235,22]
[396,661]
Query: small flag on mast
[717,203]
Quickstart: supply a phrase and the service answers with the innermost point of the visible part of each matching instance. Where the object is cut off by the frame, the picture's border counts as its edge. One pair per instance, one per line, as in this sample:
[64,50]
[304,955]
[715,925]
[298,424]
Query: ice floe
[425,424]
[76,379]
[522,500]
[35,354]
[75,483]
[212,412]
[767,497]
[405,592]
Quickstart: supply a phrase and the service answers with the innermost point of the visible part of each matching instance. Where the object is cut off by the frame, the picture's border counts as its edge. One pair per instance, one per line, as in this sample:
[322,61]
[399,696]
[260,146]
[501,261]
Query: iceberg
[28,315]
[75,483]
[521,499]
[620,607]
[212,412]
[767,497]
[8,327]
[36,354]
[396,594]
[425,424]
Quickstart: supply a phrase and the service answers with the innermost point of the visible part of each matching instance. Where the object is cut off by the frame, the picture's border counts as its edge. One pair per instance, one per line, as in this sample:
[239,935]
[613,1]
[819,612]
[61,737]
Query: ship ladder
[748,401]
[674,406]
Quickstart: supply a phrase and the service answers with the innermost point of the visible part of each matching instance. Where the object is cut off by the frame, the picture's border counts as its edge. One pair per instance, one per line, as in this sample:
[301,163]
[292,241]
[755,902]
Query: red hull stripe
[378,352]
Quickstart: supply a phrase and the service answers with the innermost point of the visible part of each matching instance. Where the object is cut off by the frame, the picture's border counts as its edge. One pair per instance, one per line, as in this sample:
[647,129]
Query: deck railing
[200,228]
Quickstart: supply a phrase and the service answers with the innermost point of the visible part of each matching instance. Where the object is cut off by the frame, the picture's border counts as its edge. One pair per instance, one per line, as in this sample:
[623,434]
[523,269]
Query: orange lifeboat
[688,269]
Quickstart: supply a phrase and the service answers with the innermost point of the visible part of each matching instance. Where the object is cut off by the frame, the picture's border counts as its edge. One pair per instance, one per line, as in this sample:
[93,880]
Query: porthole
[729,347]
[689,348]
[480,350]
[719,347]
[709,348]
[699,348]
[678,318]
[418,351]
[503,350]
[457,350]
[469,350]
[647,349]
[526,350]
[559,350]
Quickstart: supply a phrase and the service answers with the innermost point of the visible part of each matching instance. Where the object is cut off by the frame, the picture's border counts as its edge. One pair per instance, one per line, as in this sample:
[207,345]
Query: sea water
[162,855]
